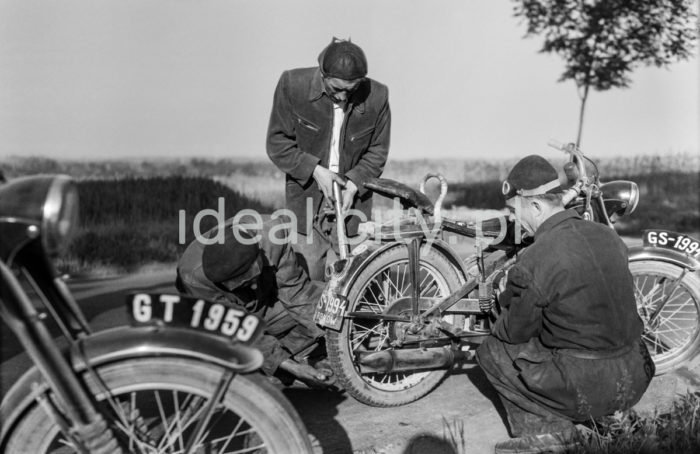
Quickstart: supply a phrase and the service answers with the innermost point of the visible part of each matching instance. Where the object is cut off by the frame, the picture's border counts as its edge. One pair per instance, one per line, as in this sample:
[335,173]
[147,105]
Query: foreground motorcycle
[401,309]
[177,381]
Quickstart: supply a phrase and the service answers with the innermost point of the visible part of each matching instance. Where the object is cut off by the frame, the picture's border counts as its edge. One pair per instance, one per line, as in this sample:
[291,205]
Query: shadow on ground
[319,409]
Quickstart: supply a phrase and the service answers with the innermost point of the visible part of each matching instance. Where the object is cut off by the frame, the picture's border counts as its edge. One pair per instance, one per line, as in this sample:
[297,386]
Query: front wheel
[376,289]
[158,403]
[669,304]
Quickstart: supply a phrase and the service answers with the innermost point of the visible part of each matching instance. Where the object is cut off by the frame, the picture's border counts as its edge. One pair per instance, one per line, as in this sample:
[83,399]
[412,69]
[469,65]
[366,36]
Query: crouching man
[567,346]
[257,271]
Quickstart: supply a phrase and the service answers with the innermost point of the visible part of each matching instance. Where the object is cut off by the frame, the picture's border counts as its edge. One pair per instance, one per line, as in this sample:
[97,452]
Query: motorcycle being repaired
[402,308]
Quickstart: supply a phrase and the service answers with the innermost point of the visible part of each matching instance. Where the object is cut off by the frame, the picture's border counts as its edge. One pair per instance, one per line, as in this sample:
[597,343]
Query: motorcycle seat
[408,196]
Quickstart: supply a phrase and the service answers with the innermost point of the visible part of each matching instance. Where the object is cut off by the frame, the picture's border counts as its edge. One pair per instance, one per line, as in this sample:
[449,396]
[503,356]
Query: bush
[130,222]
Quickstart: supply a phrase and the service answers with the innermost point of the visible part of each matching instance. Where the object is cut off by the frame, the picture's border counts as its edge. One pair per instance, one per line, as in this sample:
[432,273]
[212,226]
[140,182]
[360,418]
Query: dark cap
[532,175]
[343,60]
[232,259]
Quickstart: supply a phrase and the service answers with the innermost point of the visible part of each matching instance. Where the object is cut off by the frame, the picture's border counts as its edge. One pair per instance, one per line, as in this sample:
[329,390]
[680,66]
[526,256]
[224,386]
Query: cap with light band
[533,175]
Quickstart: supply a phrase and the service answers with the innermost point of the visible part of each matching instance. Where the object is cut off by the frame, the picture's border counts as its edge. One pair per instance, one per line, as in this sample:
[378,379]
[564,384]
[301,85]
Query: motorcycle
[179,379]
[402,308]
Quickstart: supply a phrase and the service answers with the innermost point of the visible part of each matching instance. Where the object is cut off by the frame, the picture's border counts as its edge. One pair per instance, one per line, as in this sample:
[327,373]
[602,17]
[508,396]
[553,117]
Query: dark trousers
[318,249]
[283,337]
[543,390]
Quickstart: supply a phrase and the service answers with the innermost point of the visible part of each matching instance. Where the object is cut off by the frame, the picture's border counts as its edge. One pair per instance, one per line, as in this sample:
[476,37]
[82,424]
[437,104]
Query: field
[130,209]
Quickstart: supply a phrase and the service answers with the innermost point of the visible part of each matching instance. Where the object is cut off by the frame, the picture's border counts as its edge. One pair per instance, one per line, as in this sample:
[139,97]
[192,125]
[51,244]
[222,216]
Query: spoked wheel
[376,290]
[158,402]
[670,309]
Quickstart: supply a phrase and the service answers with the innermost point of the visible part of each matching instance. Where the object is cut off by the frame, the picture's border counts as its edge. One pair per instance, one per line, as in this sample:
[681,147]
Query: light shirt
[334,159]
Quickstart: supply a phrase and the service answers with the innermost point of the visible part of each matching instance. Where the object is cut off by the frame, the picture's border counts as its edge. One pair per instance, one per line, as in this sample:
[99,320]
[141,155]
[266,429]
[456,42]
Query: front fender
[123,343]
[638,253]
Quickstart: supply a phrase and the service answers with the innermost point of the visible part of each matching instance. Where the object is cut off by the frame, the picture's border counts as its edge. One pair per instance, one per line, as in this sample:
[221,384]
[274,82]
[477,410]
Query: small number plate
[672,240]
[184,312]
[330,310]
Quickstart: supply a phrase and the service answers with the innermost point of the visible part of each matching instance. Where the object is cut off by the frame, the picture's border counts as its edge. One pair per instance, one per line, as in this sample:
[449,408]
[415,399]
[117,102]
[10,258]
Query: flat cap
[343,60]
[230,259]
[532,175]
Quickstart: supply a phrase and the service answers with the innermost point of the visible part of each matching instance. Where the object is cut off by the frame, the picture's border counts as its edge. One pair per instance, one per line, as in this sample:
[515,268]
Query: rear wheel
[158,403]
[670,308]
[384,281]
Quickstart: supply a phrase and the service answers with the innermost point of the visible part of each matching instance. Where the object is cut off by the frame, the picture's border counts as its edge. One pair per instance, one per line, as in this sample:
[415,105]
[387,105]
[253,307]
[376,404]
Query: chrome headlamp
[621,197]
[60,213]
[43,206]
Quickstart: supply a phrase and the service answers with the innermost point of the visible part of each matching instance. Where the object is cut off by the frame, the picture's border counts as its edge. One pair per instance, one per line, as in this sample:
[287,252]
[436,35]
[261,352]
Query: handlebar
[575,156]
[582,181]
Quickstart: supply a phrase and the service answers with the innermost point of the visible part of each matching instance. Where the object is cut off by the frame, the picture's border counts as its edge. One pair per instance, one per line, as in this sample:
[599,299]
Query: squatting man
[567,346]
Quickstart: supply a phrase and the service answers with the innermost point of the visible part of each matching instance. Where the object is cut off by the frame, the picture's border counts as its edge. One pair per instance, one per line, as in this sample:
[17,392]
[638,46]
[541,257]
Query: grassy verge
[677,431]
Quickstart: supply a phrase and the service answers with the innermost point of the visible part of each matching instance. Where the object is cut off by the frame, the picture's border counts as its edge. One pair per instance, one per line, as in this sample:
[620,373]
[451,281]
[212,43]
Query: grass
[677,431]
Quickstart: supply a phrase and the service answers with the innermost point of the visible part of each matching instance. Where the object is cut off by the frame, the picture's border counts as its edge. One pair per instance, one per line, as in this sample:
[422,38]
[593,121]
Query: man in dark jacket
[256,269]
[328,123]
[567,346]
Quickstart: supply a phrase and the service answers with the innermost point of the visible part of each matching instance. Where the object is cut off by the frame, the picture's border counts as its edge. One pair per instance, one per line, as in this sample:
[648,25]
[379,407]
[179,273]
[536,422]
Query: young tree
[602,41]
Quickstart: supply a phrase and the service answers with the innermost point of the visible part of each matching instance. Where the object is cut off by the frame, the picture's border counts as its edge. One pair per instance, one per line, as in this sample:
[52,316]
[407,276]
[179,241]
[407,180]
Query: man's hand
[309,375]
[325,179]
[349,195]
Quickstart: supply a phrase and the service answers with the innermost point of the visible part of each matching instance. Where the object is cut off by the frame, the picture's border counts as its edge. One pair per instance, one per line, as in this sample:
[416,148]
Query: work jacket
[283,289]
[569,327]
[299,138]
[572,289]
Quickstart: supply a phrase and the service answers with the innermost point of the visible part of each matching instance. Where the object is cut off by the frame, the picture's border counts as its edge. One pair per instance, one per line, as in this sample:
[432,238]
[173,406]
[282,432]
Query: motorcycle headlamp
[60,213]
[621,197]
[44,206]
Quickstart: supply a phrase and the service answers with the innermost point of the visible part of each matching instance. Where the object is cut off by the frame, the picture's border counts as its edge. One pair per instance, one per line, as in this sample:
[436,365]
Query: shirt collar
[555,220]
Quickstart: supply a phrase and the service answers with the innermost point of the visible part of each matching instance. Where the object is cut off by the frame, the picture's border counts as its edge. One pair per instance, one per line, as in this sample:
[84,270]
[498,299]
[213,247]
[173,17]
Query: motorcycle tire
[673,335]
[158,400]
[398,388]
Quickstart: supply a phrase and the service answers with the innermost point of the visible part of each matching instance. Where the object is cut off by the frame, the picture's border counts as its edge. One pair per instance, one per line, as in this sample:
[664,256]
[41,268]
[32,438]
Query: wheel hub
[409,330]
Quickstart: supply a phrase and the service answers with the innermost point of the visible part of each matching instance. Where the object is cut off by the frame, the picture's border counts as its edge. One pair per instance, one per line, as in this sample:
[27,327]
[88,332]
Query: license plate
[672,240]
[193,313]
[330,310]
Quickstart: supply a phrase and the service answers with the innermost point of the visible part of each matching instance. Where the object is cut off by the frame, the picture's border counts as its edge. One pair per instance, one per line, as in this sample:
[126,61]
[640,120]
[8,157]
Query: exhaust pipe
[387,361]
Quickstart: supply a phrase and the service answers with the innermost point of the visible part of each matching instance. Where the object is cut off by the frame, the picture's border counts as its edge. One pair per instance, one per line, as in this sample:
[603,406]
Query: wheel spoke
[670,313]
[231,436]
[356,341]
[381,289]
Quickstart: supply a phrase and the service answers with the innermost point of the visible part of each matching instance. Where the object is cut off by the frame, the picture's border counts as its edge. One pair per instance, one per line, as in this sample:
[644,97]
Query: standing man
[567,346]
[329,124]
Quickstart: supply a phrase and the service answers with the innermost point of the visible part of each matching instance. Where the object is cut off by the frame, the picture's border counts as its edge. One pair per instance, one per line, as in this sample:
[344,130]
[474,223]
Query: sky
[107,79]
